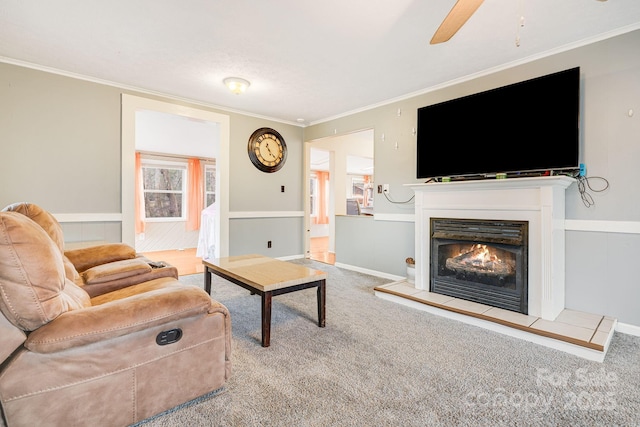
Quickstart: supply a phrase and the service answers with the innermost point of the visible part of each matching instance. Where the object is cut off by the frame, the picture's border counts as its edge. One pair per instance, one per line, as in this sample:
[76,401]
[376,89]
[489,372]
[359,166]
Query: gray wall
[601,273]
[259,211]
[374,245]
[60,142]
[60,148]
[252,235]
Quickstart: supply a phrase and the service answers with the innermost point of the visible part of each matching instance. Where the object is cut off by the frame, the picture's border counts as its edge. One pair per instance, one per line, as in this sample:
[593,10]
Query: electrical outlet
[269,244]
[385,188]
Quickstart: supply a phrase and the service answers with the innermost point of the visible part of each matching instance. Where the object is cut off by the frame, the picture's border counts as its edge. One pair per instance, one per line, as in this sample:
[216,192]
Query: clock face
[267,150]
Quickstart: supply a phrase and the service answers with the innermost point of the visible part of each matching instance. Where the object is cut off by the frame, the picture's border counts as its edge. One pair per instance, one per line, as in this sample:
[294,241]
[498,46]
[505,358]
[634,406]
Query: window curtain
[195,194]
[139,197]
[323,178]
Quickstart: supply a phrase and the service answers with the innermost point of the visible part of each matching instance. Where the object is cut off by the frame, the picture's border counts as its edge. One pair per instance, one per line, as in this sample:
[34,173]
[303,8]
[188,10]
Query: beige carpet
[381,364]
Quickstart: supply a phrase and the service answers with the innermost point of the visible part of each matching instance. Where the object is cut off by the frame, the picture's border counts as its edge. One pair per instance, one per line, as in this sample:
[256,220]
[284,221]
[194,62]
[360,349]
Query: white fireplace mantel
[538,200]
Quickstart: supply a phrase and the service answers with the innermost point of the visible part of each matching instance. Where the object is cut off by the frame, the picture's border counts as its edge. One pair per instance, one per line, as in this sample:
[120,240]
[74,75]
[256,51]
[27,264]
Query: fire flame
[480,256]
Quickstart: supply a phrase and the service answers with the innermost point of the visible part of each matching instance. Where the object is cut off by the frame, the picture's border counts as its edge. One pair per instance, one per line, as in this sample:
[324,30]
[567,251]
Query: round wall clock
[267,150]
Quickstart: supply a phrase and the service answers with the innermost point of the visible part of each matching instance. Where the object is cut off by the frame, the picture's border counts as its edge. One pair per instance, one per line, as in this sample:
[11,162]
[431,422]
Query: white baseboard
[290,257]
[625,328]
[369,272]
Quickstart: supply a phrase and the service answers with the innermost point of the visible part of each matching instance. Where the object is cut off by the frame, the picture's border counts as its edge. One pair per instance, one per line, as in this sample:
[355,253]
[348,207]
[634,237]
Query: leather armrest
[115,270]
[119,317]
[85,258]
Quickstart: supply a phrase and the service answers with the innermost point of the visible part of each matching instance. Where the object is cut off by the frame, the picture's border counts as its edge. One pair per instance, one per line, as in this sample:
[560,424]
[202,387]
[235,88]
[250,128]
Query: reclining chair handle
[169,337]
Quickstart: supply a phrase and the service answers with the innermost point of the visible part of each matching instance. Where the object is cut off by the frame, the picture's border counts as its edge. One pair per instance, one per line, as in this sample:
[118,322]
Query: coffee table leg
[266,319]
[207,280]
[322,296]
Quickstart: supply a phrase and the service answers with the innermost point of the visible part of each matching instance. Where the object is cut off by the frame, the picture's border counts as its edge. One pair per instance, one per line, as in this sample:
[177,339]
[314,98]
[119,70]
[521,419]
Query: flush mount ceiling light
[236,84]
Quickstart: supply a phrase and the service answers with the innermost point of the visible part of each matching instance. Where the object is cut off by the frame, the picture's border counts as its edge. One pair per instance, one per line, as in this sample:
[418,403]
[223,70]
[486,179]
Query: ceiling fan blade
[458,15]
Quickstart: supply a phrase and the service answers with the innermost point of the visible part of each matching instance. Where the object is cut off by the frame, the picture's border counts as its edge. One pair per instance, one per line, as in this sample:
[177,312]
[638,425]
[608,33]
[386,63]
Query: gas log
[479,260]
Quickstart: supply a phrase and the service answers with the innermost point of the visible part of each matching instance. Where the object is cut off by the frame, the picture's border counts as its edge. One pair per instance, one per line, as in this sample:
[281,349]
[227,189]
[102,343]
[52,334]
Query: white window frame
[207,168]
[166,164]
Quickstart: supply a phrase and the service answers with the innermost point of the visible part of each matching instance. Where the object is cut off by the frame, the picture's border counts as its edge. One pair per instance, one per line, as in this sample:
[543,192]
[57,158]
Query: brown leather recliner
[101,268]
[115,359]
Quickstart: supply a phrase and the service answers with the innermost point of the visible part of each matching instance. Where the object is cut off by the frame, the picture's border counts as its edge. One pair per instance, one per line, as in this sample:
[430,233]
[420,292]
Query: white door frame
[131,104]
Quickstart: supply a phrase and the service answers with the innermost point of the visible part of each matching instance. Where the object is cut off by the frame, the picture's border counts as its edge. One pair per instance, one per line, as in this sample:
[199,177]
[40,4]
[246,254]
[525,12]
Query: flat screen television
[520,129]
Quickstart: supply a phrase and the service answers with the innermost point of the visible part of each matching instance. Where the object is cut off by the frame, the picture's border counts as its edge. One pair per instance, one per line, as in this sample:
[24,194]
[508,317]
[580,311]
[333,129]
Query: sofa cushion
[115,270]
[32,276]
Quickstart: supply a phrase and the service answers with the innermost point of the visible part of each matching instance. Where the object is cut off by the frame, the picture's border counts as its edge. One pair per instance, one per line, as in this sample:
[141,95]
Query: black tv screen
[526,127]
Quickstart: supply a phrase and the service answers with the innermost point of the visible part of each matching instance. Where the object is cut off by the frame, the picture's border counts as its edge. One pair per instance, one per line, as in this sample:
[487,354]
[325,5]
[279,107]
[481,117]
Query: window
[164,190]
[209,185]
[356,188]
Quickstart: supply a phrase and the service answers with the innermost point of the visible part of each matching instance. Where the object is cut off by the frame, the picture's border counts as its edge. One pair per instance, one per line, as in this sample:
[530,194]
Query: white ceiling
[310,60]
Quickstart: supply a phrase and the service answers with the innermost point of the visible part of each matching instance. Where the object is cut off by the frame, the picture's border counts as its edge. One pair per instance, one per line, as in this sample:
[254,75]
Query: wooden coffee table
[267,277]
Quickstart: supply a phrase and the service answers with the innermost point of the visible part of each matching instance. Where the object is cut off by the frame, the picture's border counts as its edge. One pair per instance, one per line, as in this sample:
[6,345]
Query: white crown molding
[486,72]
[139,90]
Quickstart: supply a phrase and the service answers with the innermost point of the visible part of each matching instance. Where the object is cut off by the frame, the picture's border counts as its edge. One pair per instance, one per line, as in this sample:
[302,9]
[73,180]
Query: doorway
[335,167]
[167,144]
[131,105]
[320,197]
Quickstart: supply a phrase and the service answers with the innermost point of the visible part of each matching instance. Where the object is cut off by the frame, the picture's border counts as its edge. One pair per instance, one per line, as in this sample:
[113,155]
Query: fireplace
[480,260]
[539,201]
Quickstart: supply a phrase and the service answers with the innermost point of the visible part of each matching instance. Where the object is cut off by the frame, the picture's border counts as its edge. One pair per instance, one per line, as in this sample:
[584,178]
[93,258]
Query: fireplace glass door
[484,261]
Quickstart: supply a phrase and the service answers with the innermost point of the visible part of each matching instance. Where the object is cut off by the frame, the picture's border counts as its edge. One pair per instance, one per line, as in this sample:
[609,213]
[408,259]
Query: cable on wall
[583,184]
[386,195]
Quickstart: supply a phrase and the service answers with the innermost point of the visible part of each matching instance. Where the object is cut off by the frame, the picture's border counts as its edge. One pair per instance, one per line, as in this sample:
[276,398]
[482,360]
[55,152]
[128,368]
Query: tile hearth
[583,334]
